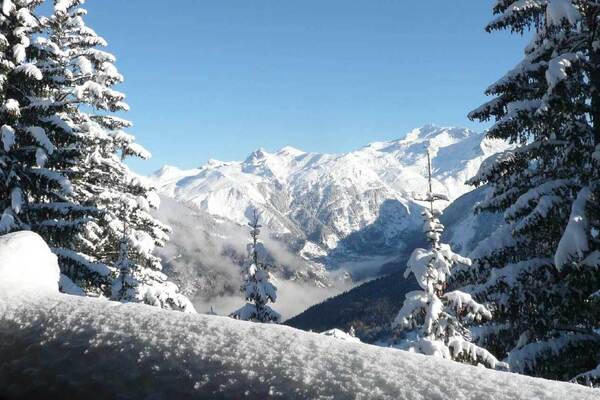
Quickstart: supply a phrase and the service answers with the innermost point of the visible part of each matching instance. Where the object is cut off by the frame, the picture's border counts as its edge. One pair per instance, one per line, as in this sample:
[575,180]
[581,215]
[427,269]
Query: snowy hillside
[341,205]
[60,346]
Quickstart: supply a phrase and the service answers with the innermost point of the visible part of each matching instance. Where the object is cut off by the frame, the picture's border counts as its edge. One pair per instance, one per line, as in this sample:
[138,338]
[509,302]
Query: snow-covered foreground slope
[60,346]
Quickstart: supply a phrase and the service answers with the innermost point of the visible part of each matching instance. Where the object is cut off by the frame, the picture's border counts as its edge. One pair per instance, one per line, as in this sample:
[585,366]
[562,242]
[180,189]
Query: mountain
[370,307]
[327,214]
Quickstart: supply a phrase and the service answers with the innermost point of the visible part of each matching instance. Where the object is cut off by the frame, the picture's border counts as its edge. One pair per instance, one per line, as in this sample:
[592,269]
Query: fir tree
[39,151]
[258,288]
[62,151]
[540,269]
[432,320]
[125,233]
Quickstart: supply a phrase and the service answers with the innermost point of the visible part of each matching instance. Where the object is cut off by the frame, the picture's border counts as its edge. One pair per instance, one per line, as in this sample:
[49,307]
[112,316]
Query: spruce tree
[540,269]
[61,159]
[432,320]
[257,288]
[39,151]
[124,233]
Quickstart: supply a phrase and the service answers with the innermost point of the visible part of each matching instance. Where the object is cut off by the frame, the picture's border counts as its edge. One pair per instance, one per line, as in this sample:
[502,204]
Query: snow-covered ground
[72,347]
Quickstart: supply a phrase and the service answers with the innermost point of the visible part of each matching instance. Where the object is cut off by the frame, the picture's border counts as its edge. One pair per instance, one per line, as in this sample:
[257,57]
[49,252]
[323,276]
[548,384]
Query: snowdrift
[60,346]
[26,262]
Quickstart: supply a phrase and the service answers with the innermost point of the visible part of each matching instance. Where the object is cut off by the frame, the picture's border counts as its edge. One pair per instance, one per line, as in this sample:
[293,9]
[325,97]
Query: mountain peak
[166,170]
[290,151]
[257,155]
[430,131]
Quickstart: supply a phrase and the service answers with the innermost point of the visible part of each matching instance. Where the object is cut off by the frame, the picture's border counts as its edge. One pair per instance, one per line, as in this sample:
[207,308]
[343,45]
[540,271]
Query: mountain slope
[370,307]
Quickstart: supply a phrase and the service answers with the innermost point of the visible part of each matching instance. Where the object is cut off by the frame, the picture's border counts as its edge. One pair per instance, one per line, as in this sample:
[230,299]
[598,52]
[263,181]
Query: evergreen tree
[257,287]
[62,151]
[432,320]
[122,239]
[541,269]
[39,151]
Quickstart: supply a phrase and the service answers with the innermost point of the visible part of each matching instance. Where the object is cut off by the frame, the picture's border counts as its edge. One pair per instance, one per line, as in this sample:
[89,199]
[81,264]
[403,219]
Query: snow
[524,358]
[26,263]
[61,6]
[557,69]
[84,65]
[26,18]
[7,7]
[573,244]
[19,53]
[558,11]
[66,285]
[341,335]
[30,70]
[463,301]
[64,345]
[16,199]
[41,157]
[7,221]
[8,137]
[12,106]
[429,266]
[39,134]
[589,377]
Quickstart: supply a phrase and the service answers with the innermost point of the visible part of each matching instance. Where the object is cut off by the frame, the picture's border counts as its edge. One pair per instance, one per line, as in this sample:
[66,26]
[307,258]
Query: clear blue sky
[220,78]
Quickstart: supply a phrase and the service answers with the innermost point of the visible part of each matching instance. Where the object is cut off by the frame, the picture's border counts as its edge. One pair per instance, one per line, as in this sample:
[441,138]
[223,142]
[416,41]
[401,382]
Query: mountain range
[328,218]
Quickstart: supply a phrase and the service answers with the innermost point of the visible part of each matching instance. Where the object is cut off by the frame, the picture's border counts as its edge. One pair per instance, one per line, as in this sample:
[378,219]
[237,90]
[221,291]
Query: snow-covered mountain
[350,212]
[321,199]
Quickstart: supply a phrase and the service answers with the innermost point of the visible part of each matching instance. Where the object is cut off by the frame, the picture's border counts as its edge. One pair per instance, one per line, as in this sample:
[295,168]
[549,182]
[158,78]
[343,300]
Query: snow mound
[341,335]
[26,263]
[59,346]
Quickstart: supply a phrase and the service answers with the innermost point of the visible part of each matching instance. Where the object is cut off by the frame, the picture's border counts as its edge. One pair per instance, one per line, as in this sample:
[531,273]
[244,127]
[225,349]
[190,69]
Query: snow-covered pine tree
[61,166]
[432,320]
[83,77]
[39,151]
[257,288]
[540,269]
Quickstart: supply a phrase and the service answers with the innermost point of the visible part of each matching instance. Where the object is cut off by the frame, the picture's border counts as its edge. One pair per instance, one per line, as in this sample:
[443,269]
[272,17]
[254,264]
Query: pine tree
[540,269]
[258,288]
[432,320]
[124,233]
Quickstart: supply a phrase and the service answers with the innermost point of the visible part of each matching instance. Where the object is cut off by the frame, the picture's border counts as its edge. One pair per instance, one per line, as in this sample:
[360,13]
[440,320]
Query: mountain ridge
[326,197]
[324,215]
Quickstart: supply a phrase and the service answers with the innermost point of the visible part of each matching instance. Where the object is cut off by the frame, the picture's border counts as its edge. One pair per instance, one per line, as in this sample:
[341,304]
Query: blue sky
[220,78]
